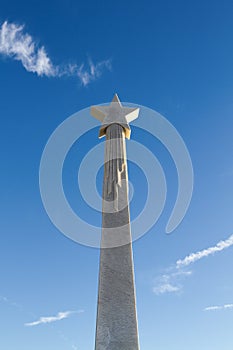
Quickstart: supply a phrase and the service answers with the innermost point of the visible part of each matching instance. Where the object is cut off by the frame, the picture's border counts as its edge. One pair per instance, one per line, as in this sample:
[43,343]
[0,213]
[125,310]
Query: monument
[116,325]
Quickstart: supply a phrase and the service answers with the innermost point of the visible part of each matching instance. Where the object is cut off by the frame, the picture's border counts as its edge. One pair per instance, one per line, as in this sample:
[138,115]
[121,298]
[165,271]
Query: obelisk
[116,327]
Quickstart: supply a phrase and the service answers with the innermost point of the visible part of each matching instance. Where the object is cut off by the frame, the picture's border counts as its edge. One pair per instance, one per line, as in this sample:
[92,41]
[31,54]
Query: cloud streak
[219,307]
[170,282]
[20,46]
[93,72]
[49,319]
[15,43]
[193,257]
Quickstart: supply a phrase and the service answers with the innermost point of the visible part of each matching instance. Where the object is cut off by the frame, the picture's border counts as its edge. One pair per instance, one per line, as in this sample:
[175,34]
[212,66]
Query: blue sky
[174,57]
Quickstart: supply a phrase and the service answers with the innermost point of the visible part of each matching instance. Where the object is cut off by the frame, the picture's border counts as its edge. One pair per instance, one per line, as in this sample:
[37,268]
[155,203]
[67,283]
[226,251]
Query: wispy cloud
[170,282]
[94,71]
[61,315]
[19,45]
[49,319]
[165,287]
[219,307]
[193,257]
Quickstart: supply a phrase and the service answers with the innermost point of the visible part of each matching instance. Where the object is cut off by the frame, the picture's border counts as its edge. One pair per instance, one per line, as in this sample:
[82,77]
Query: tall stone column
[116,327]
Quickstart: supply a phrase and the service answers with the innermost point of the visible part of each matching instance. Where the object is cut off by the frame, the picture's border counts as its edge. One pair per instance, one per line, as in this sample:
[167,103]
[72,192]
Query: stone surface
[116,327]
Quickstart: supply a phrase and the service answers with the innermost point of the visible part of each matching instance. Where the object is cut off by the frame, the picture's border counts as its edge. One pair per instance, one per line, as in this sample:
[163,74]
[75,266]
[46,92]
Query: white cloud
[170,282]
[222,307]
[49,319]
[212,308]
[20,46]
[193,257]
[166,288]
[93,72]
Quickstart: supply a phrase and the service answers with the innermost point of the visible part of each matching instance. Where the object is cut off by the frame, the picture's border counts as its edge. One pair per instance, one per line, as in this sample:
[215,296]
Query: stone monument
[116,327]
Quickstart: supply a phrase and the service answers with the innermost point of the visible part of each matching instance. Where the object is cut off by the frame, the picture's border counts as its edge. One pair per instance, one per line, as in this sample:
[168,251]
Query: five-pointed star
[114,113]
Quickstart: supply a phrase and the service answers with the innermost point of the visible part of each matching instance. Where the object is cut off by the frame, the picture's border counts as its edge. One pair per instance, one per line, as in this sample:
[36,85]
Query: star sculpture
[115,113]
